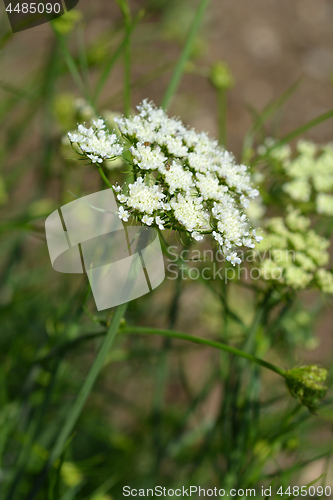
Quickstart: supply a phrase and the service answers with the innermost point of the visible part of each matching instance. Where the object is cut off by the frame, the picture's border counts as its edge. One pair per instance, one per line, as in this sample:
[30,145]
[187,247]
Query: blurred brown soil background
[268,44]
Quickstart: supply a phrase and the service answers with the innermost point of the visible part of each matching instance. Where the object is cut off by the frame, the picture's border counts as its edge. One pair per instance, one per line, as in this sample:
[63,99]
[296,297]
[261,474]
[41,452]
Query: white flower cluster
[185,181]
[143,198]
[96,143]
[293,255]
[311,173]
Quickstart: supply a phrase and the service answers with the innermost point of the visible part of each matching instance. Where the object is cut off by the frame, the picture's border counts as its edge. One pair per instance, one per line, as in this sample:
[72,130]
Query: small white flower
[218,237]
[160,222]
[122,198]
[258,238]
[244,201]
[116,188]
[197,236]
[123,214]
[95,159]
[146,157]
[189,212]
[147,220]
[324,204]
[75,137]
[82,129]
[233,259]
[248,242]
[99,124]
[210,187]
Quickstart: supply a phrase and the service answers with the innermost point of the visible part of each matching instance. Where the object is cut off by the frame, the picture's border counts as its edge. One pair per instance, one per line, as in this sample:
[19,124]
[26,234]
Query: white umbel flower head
[96,144]
[183,180]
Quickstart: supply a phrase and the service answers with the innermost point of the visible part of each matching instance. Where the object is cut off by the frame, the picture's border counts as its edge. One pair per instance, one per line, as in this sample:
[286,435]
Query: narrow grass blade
[306,127]
[269,111]
[115,56]
[184,56]
[71,65]
[16,91]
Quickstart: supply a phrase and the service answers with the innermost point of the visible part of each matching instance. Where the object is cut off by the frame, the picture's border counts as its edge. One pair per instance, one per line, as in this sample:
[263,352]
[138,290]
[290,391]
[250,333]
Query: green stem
[304,128]
[88,384]
[62,349]
[222,116]
[184,56]
[71,65]
[115,56]
[162,375]
[80,401]
[127,77]
[126,12]
[198,340]
[105,179]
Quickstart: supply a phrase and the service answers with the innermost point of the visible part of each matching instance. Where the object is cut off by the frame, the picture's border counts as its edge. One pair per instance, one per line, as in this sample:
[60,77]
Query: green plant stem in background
[162,373]
[83,60]
[88,384]
[222,116]
[304,128]
[184,56]
[212,343]
[141,330]
[222,79]
[298,132]
[106,72]
[71,65]
[259,122]
[78,405]
[127,77]
[105,179]
[139,83]
[126,12]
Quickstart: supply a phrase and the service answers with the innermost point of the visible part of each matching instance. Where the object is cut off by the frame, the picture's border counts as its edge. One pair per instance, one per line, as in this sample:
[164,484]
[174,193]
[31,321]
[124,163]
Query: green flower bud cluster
[293,255]
[310,172]
[67,22]
[305,383]
[69,110]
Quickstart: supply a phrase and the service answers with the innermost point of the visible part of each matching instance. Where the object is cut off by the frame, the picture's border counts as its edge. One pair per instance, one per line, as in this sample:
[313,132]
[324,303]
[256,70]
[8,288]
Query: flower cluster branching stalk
[201,341]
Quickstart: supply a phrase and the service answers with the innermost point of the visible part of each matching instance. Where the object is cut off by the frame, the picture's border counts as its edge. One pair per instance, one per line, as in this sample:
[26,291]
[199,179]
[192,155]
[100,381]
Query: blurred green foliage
[148,420]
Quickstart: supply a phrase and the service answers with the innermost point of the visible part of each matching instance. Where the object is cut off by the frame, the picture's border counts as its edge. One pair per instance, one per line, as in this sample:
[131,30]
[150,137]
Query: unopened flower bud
[221,77]
[305,383]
